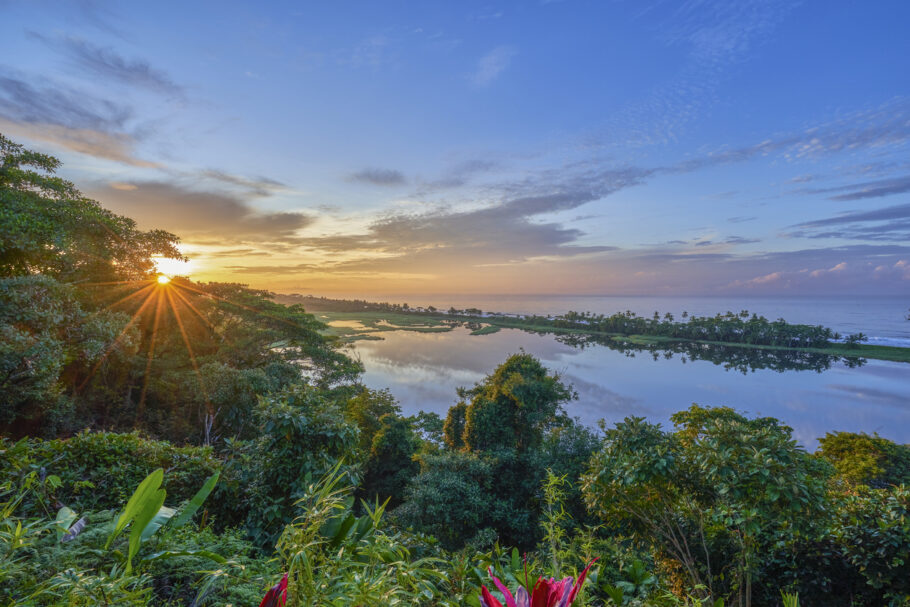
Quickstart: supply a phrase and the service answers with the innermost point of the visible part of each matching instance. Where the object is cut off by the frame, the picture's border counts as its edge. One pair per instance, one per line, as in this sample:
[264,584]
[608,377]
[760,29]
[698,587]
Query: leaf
[160,519]
[65,518]
[187,512]
[615,594]
[74,530]
[144,492]
[149,510]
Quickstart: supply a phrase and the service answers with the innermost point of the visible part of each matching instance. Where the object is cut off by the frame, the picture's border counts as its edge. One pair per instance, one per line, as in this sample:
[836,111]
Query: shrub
[100,470]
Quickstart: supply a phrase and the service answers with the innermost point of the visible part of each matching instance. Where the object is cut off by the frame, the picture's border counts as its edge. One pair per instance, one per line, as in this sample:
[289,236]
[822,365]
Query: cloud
[508,233]
[53,113]
[493,64]
[110,146]
[901,211]
[885,224]
[867,189]
[458,175]
[257,186]
[213,217]
[887,125]
[106,63]
[740,240]
[710,37]
[52,103]
[383,177]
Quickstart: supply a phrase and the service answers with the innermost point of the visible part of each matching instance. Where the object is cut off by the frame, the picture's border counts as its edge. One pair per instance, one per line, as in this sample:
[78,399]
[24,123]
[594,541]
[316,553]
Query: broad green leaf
[65,518]
[187,512]
[149,509]
[164,515]
[144,493]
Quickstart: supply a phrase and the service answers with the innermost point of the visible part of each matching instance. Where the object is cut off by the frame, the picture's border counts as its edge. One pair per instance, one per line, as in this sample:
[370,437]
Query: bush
[302,436]
[98,471]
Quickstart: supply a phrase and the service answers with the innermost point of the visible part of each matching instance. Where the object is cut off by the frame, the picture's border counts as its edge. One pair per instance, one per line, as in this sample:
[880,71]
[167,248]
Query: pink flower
[546,593]
[277,596]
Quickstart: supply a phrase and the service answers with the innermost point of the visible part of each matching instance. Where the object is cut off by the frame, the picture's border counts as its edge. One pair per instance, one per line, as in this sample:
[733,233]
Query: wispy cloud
[491,65]
[48,111]
[256,186]
[867,189]
[117,147]
[890,224]
[901,211]
[105,62]
[41,101]
[374,176]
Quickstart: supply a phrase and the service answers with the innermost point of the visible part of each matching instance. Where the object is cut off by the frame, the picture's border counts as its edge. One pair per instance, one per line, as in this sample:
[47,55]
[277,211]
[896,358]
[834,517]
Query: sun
[172,267]
[163,279]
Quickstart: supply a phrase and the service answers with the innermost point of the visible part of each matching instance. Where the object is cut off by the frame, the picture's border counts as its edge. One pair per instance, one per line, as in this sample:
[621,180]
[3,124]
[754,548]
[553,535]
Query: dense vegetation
[738,328]
[176,443]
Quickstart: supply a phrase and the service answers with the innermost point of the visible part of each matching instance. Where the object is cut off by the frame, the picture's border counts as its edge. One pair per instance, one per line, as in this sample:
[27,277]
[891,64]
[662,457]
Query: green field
[354,326]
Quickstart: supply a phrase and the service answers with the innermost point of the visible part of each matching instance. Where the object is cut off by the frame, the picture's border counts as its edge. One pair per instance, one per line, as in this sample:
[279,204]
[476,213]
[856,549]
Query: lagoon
[423,370]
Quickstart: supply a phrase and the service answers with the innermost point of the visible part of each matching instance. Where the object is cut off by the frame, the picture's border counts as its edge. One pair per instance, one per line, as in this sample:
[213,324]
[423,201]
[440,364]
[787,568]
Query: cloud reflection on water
[423,371]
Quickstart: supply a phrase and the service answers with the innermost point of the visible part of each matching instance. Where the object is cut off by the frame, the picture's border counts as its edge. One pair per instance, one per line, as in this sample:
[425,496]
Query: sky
[648,147]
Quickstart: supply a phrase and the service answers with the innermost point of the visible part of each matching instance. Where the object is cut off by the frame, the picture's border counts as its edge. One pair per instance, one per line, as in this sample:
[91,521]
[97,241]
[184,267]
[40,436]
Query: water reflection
[615,380]
[730,357]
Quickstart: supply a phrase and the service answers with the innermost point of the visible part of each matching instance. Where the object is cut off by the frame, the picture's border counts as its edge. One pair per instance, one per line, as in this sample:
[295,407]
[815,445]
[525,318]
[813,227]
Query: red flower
[277,596]
[546,593]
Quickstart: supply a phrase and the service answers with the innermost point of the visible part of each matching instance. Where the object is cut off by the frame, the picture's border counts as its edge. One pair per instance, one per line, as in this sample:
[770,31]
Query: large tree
[48,227]
[91,339]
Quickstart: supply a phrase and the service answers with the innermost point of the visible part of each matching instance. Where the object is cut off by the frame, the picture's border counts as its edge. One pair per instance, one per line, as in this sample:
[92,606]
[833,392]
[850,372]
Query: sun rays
[161,294]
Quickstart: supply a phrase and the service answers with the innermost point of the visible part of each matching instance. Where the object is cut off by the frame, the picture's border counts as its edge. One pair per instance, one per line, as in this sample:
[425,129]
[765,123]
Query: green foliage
[366,410]
[514,407]
[390,465]
[302,436]
[710,496]
[86,564]
[860,459]
[48,227]
[101,470]
[46,337]
[453,498]
[873,530]
[453,430]
[364,566]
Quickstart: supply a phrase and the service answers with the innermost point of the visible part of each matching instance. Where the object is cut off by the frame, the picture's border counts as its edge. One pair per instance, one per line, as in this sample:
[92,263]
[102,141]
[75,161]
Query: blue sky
[364,148]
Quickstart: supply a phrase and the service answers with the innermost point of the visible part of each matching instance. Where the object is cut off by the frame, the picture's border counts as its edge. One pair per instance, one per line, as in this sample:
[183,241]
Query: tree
[390,466]
[453,429]
[366,410]
[48,227]
[712,495]
[496,459]
[302,437]
[514,406]
[860,459]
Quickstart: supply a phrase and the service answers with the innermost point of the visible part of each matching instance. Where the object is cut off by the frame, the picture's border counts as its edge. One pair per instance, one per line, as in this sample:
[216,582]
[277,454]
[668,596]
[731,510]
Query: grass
[486,330]
[373,322]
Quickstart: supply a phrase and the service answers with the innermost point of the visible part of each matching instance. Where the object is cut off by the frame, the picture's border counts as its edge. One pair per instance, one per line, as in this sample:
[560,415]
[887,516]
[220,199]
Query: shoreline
[374,322]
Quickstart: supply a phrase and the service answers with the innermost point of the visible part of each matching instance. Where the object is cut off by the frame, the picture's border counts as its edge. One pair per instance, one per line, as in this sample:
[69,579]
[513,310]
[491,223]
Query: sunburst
[164,293]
